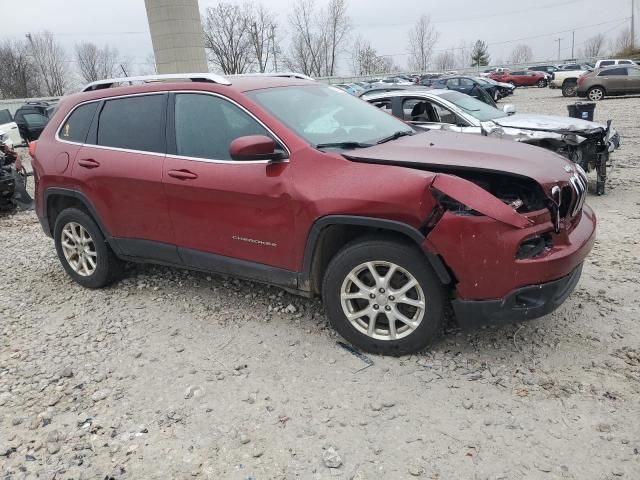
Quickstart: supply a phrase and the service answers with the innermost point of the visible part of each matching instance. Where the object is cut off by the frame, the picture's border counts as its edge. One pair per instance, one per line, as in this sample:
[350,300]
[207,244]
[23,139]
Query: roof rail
[301,76]
[194,77]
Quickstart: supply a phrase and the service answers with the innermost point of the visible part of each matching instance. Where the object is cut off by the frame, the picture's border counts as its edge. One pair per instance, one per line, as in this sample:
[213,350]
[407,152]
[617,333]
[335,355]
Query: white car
[8,128]
[614,61]
[585,143]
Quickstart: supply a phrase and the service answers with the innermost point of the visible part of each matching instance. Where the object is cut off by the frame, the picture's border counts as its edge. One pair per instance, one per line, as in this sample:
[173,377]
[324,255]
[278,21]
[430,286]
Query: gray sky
[123,23]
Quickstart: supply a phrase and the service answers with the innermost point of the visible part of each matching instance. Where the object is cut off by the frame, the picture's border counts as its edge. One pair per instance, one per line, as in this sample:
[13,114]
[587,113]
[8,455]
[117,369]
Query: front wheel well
[332,238]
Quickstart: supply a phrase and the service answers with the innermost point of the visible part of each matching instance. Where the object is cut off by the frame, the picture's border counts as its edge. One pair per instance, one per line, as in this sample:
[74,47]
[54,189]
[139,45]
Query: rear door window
[133,123]
[75,128]
[35,120]
[606,63]
[5,117]
[614,72]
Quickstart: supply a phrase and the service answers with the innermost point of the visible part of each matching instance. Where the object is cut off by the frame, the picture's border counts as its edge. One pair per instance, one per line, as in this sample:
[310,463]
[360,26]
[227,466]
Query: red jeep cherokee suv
[287,181]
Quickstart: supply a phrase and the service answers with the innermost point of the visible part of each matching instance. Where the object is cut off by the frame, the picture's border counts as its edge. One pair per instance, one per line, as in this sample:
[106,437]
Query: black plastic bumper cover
[524,303]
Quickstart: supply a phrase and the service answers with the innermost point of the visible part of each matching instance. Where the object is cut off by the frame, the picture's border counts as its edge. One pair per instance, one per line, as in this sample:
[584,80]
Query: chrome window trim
[98,100]
[164,154]
[214,94]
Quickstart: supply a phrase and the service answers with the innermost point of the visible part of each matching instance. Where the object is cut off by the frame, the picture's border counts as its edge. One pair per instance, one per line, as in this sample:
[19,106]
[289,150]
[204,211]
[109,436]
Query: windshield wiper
[344,145]
[395,136]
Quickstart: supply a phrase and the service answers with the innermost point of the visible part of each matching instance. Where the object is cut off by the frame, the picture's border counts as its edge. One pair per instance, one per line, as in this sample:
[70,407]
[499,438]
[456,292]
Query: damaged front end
[588,146]
[514,247]
[13,182]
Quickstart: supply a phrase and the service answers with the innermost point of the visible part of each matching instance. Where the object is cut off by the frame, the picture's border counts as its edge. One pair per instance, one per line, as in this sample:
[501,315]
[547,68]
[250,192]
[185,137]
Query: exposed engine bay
[587,147]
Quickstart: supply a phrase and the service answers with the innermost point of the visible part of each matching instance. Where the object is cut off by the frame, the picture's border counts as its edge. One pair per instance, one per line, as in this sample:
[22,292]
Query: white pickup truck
[567,80]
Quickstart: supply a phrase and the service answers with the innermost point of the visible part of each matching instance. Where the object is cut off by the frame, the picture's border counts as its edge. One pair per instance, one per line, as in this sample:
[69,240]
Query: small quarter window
[77,125]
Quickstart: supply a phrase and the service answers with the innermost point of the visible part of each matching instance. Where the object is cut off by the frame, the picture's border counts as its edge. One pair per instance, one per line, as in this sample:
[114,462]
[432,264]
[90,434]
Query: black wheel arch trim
[76,194]
[414,234]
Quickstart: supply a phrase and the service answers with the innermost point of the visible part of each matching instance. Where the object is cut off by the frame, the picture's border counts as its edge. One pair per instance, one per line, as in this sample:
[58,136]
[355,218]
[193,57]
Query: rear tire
[403,322]
[542,83]
[569,89]
[595,94]
[83,250]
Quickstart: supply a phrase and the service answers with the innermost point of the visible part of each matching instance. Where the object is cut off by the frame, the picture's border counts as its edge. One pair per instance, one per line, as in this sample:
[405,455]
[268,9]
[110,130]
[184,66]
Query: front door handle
[88,163]
[182,174]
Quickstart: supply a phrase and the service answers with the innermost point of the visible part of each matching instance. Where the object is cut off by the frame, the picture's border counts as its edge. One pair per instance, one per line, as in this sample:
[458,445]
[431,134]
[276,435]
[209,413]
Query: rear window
[35,119]
[77,125]
[134,123]
[5,117]
[614,72]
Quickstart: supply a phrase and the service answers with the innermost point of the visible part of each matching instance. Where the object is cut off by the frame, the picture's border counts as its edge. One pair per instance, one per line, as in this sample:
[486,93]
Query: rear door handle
[88,163]
[182,174]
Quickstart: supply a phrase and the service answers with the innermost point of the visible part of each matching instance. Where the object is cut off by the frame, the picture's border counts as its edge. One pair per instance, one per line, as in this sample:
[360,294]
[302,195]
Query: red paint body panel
[518,80]
[264,213]
[481,252]
[479,200]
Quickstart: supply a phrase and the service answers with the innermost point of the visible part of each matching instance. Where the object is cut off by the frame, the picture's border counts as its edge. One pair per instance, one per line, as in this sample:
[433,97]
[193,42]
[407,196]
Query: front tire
[384,297]
[595,94]
[542,83]
[83,250]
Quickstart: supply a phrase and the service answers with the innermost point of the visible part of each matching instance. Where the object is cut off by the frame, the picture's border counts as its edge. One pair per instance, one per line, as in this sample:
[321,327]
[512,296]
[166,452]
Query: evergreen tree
[480,54]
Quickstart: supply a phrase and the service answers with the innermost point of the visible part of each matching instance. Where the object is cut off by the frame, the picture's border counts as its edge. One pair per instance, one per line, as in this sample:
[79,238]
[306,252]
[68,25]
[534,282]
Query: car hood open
[440,151]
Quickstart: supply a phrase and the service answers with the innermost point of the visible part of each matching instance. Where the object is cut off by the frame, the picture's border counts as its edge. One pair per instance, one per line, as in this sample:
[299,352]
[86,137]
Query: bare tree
[228,36]
[95,63]
[521,54]
[18,74]
[624,42]
[445,61]
[463,54]
[366,61]
[335,29]
[422,38]
[594,46]
[49,58]
[263,27]
[307,44]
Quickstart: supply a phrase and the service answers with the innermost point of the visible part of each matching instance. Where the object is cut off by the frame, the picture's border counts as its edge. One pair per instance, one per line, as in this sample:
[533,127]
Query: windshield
[325,115]
[473,107]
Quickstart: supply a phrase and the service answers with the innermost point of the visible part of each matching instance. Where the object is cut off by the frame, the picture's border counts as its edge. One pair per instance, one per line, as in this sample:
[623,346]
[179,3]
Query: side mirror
[509,109]
[254,147]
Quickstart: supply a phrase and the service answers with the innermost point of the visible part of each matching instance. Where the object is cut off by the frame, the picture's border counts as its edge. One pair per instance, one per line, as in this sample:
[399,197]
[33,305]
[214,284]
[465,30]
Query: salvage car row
[394,210]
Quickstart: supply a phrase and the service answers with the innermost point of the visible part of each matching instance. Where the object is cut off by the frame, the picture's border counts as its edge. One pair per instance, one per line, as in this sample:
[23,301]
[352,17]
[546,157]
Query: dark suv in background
[298,184]
[31,119]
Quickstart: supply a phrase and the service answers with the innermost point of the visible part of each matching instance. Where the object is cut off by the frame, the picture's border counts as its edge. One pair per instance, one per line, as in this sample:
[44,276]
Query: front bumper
[525,303]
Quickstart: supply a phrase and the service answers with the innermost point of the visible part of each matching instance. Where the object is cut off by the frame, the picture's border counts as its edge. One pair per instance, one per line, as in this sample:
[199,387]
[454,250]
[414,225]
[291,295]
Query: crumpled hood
[449,151]
[550,123]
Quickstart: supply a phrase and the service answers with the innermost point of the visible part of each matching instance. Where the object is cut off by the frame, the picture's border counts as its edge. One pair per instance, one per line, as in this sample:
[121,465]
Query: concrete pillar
[177,37]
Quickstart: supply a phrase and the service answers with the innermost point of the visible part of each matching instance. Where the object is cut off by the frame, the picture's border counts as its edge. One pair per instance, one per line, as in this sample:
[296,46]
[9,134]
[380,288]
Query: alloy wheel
[596,94]
[79,249]
[382,300]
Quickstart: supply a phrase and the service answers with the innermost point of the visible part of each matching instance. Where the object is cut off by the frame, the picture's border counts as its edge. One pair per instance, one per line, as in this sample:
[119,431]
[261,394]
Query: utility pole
[633,24]
[558,40]
[573,44]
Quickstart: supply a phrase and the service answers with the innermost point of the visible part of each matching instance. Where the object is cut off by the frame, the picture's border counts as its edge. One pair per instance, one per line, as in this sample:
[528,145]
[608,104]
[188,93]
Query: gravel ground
[172,374]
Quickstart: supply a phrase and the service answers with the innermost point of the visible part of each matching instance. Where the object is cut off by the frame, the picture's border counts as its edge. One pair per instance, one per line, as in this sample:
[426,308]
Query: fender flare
[353,220]
[69,192]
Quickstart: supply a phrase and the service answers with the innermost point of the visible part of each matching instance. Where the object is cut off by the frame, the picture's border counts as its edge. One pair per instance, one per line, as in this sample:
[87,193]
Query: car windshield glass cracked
[327,115]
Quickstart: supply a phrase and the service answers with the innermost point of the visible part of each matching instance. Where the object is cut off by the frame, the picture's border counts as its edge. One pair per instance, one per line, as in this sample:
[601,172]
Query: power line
[504,42]
[479,17]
